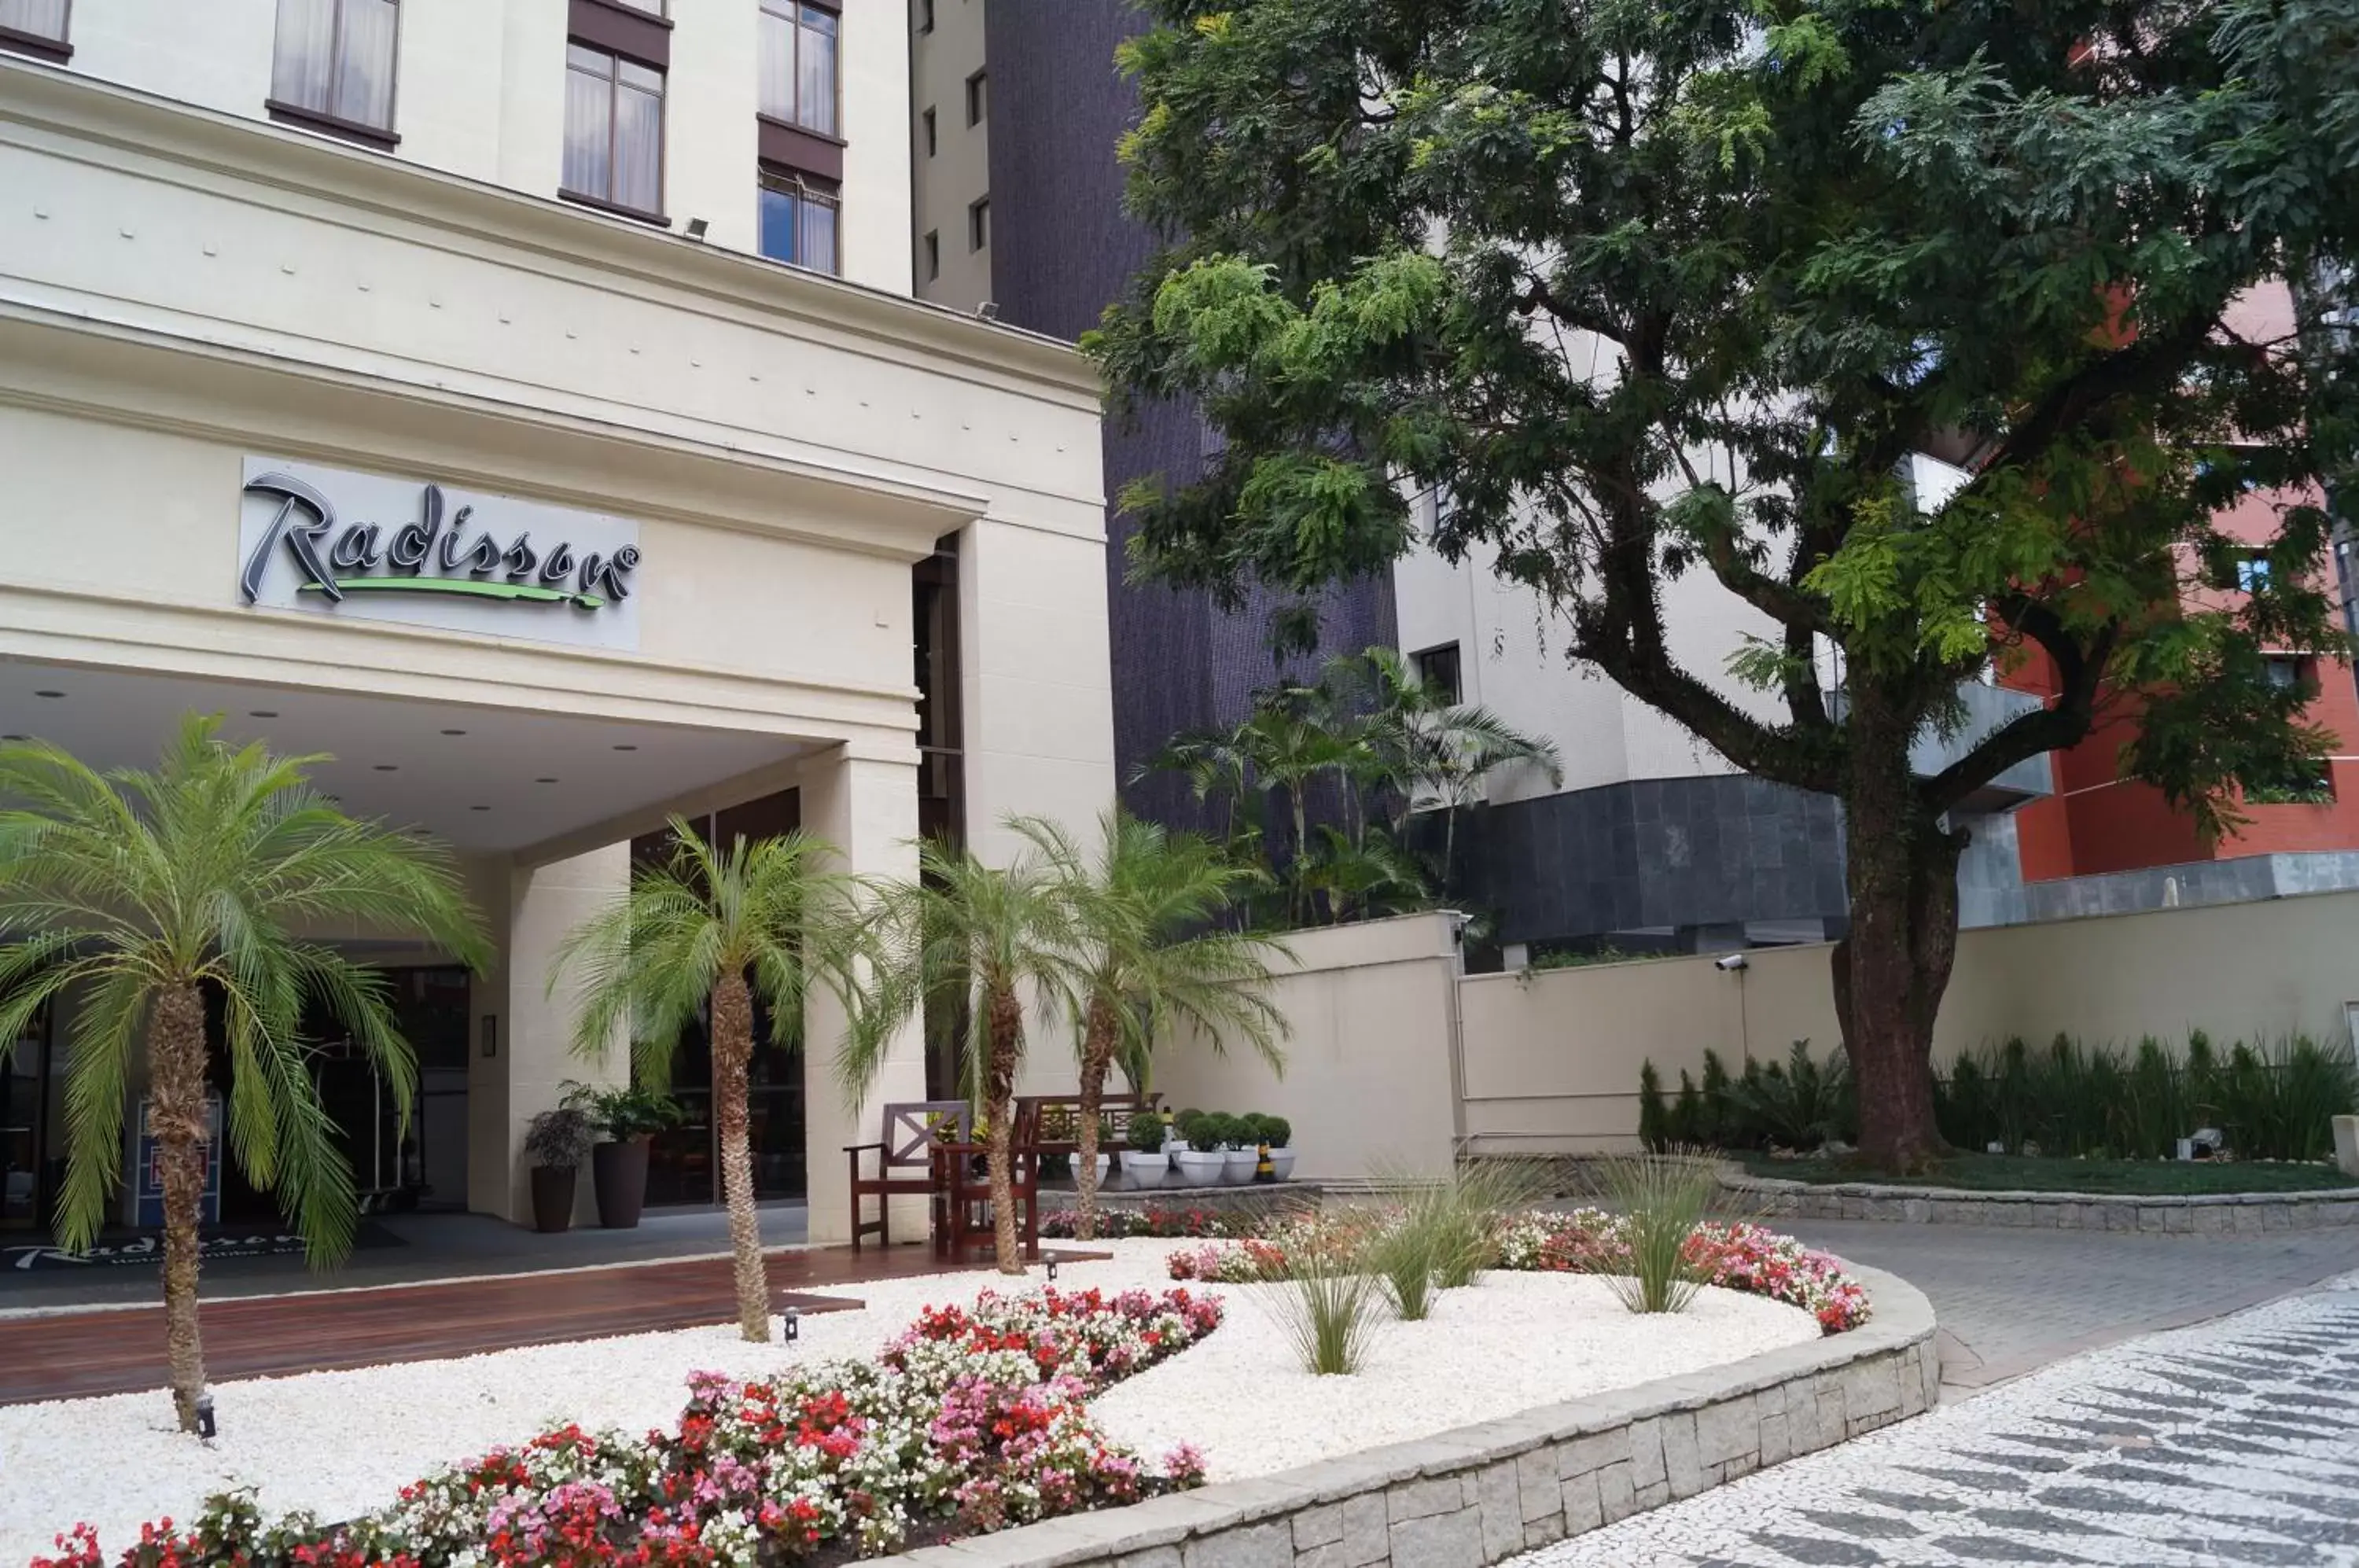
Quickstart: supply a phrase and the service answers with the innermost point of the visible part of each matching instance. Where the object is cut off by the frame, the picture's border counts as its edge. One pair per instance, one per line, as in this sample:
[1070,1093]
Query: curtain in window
[365,71]
[42,18]
[815,72]
[777,65]
[639,137]
[302,70]
[589,122]
[817,238]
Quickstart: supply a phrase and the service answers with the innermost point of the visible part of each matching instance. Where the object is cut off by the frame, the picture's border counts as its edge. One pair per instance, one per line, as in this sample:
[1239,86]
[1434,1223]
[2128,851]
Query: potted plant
[1199,1157]
[1240,1152]
[1277,1134]
[1145,1161]
[626,1119]
[556,1141]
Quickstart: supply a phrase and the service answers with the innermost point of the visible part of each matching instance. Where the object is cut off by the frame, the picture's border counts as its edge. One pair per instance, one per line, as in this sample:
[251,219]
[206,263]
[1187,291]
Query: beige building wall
[1368,1080]
[949,179]
[181,288]
[1552,1057]
[533,1056]
[479,91]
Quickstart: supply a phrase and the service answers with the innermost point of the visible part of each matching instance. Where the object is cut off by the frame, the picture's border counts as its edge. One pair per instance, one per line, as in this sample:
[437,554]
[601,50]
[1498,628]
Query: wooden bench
[1051,1124]
[905,1164]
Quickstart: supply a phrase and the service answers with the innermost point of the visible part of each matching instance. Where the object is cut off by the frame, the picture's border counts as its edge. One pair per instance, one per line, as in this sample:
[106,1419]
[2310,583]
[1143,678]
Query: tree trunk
[176,1066]
[733,1048]
[1890,969]
[1004,1051]
[1097,1051]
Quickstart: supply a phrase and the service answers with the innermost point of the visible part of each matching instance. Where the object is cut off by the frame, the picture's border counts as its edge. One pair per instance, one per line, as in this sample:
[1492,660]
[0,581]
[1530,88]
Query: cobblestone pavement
[2011,1299]
[2235,1443]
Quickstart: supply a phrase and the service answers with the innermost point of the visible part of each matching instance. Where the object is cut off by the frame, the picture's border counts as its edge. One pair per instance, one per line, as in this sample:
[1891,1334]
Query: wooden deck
[75,1354]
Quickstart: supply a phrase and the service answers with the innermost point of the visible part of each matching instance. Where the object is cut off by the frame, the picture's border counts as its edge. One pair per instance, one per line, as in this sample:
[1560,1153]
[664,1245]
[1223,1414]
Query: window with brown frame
[800,216]
[978,224]
[978,97]
[331,64]
[614,131]
[36,28]
[798,75]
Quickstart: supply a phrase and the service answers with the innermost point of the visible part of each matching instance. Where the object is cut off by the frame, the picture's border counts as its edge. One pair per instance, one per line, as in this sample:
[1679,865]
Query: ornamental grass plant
[1662,1199]
[1327,1305]
[1474,1202]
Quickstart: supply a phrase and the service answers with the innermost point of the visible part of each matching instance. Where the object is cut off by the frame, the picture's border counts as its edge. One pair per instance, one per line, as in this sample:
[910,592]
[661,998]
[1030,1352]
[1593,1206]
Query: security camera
[1732,961]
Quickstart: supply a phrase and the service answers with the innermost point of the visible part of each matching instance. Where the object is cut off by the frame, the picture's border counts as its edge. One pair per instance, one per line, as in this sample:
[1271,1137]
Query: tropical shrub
[973,1420]
[2274,1102]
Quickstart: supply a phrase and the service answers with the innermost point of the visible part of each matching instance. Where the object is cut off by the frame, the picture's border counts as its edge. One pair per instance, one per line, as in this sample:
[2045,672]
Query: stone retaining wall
[2228,1213]
[1483,1494]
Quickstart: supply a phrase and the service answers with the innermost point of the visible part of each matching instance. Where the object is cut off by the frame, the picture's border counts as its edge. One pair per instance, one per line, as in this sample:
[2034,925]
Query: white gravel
[1514,1342]
[337,1444]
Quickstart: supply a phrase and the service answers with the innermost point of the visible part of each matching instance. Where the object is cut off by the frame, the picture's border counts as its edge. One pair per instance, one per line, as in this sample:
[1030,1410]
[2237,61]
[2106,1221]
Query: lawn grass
[2013,1173]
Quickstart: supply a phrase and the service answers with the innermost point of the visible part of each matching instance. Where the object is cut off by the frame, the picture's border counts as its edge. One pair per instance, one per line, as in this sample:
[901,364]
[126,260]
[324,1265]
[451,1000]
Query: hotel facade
[524,404]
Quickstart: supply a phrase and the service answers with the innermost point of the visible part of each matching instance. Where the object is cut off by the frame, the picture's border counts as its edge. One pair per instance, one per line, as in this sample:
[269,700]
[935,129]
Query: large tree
[1653,288]
[159,900]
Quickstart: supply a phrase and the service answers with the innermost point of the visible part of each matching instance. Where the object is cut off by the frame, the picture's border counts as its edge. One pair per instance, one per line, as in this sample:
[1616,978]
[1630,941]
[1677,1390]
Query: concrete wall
[1551,1058]
[1368,1077]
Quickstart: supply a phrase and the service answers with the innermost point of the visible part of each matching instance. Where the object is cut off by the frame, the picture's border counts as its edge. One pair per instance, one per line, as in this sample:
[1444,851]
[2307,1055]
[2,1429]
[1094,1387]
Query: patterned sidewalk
[2235,1443]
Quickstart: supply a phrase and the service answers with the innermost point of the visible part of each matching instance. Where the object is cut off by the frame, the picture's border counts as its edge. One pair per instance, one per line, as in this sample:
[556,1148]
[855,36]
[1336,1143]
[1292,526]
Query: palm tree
[1431,748]
[985,936]
[145,891]
[705,934]
[1151,960]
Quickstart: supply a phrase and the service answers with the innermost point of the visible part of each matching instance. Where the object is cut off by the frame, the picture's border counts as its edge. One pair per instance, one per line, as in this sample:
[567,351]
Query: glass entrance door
[24,1078]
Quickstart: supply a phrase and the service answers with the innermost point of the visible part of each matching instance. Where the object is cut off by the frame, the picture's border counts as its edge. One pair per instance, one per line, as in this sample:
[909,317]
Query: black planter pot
[552,1199]
[619,1173]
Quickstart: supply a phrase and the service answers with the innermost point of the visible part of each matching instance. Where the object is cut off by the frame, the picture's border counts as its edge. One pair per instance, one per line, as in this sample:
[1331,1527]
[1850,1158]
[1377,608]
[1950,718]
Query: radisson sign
[362,545]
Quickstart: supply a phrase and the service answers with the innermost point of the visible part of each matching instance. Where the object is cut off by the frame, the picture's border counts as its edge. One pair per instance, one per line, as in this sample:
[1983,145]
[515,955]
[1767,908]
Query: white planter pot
[1105,1163]
[1145,1169]
[1237,1166]
[1199,1167]
[1282,1161]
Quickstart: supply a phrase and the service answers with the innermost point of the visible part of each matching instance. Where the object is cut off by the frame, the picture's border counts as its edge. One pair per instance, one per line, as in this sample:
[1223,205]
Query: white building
[499,274]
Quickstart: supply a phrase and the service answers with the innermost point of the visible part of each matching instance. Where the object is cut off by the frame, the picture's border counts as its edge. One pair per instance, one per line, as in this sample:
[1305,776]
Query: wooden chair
[967,1228]
[905,1166]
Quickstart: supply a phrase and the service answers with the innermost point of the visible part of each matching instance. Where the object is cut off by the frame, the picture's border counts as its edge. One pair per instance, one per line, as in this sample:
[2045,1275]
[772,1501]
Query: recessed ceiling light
[627,748]
[388,768]
[49,693]
[454,732]
[544,781]
[262,713]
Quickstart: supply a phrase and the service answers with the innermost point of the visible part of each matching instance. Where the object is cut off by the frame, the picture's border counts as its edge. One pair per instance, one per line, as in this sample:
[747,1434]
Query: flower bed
[1735,1256]
[1162,1225]
[972,1420]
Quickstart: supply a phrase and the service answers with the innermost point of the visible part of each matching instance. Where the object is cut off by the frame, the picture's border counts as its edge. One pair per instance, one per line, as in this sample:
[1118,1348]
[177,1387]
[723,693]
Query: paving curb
[2211,1214]
[1481,1494]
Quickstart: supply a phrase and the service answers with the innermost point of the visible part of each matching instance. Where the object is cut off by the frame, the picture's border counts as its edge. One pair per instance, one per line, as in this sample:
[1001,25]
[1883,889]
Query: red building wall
[2099,822]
